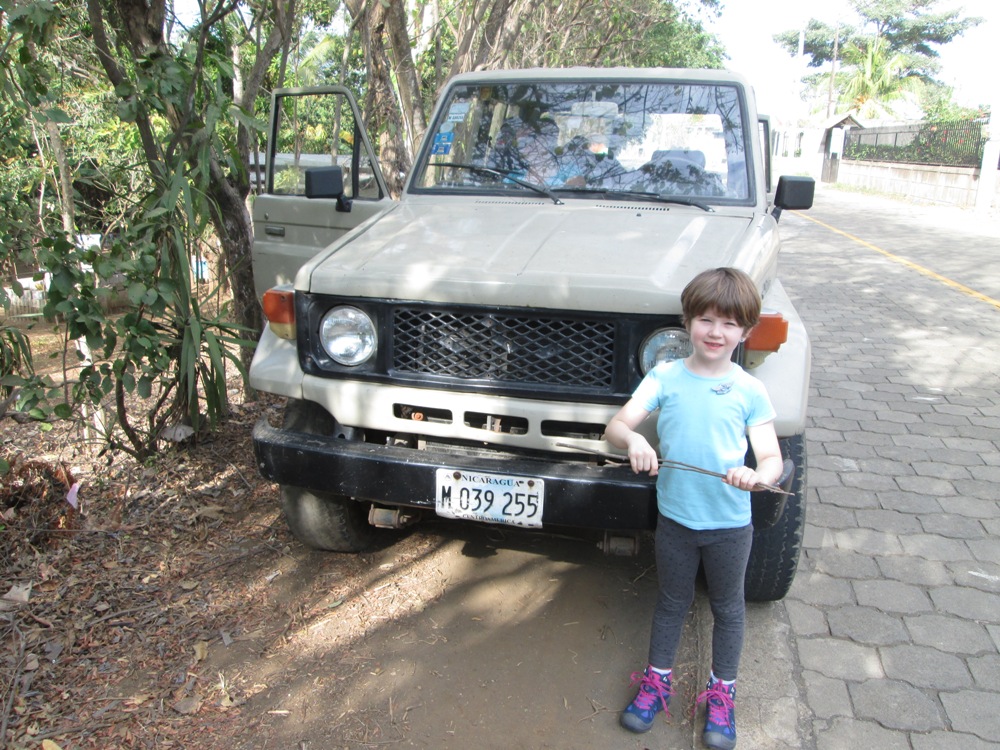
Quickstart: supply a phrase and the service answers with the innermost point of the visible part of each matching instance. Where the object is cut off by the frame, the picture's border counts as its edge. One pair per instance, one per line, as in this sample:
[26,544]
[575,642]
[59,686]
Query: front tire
[322,520]
[774,556]
[327,522]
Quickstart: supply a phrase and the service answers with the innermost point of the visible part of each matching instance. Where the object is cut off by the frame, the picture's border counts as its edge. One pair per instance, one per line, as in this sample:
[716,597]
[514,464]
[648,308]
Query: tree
[892,53]
[910,28]
[644,33]
[876,79]
[191,109]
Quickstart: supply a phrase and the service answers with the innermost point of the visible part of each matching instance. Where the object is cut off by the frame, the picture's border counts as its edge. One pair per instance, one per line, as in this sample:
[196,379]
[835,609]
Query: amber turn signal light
[279,309]
[769,334]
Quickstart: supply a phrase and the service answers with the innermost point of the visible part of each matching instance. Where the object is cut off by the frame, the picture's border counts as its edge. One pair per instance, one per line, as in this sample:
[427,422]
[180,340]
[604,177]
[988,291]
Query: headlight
[663,346]
[348,336]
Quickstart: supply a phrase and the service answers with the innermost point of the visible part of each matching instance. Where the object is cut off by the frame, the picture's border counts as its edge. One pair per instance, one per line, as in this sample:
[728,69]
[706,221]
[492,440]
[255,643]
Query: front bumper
[577,494]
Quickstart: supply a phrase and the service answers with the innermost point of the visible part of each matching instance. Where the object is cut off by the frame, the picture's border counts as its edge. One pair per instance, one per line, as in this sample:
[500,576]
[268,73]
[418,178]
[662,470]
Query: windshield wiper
[660,197]
[506,174]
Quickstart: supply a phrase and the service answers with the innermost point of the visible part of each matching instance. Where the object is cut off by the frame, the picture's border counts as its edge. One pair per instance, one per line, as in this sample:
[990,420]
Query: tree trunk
[503,31]
[232,224]
[382,112]
[406,74]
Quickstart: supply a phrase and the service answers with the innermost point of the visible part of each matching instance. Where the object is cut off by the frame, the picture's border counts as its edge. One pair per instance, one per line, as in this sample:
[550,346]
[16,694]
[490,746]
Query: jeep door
[316,127]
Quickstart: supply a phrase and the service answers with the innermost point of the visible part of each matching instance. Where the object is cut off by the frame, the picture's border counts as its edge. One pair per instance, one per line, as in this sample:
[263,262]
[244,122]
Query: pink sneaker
[653,697]
[720,715]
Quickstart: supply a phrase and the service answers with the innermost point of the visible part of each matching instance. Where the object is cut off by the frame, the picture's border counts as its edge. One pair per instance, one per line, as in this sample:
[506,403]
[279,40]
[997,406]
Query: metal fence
[948,144]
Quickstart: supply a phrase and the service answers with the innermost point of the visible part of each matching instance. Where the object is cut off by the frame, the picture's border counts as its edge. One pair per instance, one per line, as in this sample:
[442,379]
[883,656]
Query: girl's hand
[641,455]
[621,433]
[742,477]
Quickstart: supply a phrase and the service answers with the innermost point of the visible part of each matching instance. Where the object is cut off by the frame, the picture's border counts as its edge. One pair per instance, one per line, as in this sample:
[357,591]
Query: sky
[746,28]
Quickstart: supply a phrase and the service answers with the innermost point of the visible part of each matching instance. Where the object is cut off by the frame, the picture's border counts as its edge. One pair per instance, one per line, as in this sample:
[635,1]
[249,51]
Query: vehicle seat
[679,155]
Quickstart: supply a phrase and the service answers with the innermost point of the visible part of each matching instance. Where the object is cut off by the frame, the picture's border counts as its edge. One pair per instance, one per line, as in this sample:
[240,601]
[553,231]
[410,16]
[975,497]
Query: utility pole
[833,70]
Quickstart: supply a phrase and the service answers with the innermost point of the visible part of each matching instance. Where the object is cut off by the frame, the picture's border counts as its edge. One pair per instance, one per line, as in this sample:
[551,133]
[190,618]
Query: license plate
[490,498]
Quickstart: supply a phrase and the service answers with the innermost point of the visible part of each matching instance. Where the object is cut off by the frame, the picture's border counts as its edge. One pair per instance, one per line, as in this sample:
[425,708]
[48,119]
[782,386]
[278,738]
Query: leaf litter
[118,583]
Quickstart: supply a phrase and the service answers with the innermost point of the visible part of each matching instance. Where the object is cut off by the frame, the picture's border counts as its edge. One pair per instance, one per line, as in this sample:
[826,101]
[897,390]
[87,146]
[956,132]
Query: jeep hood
[618,257]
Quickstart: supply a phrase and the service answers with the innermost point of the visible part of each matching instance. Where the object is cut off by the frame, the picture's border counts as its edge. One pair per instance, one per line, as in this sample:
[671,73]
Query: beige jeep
[457,353]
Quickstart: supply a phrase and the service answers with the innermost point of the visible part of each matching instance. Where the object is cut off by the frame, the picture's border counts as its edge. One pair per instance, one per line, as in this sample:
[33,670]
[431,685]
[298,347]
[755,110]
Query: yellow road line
[908,263]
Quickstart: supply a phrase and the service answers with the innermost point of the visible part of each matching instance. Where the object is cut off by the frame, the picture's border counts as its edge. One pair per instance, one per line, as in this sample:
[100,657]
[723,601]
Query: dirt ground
[175,610]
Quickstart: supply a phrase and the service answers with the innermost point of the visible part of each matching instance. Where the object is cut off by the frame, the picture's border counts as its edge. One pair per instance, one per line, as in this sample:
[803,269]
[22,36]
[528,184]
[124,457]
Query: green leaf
[54,114]
[246,120]
[135,292]
[63,411]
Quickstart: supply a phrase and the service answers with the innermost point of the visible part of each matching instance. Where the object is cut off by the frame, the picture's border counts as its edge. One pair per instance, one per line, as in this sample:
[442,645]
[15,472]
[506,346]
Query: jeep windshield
[587,139]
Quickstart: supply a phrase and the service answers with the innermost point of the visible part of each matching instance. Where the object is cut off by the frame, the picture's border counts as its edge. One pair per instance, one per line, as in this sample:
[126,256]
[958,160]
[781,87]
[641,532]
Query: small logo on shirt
[723,389]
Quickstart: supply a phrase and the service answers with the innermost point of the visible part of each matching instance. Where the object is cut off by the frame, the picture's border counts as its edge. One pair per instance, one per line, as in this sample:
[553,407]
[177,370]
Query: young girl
[709,406]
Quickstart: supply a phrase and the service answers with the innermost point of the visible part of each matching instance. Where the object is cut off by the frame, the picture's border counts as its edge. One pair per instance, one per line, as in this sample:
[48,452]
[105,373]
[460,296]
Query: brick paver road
[894,616]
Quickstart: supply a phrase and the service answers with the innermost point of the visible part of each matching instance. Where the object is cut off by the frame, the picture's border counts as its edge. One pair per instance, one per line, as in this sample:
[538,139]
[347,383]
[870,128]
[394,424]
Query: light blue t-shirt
[703,422]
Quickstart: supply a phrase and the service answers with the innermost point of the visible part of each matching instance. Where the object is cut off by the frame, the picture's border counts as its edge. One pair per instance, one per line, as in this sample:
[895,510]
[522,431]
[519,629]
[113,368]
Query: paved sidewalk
[894,617]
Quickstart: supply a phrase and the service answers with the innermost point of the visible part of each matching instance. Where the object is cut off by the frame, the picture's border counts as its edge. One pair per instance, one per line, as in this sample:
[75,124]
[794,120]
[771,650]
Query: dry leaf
[200,650]
[50,745]
[189,585]
[177,433]
[53,649]
[19,594]
[188,706]
[210,511]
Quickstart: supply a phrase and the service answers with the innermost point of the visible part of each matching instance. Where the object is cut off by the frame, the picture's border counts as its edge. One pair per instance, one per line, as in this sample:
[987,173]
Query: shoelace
[719,703]
[651,688]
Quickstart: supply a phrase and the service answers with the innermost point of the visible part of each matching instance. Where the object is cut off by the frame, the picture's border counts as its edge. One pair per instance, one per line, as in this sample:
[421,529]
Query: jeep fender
[275,366]
[786,372]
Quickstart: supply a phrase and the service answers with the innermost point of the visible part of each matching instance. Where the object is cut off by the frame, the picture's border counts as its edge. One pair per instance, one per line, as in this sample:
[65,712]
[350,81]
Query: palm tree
[879,77]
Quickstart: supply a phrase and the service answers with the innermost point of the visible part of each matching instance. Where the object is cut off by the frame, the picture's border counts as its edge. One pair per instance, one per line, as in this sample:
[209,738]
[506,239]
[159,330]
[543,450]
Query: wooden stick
[759,487]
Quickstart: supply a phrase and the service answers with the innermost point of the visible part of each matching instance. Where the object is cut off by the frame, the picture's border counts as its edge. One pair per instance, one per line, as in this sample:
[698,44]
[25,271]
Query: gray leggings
[724,554]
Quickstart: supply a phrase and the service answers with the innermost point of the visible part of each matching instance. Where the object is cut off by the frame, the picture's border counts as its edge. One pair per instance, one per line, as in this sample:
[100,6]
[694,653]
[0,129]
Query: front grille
[504,348]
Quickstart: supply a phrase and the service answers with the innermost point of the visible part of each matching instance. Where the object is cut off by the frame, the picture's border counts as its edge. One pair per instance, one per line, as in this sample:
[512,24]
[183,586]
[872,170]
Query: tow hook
[391,518]
[621,545]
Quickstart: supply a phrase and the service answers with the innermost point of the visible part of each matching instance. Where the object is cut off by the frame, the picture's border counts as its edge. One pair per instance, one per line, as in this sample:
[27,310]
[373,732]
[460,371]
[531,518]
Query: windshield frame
[741,133]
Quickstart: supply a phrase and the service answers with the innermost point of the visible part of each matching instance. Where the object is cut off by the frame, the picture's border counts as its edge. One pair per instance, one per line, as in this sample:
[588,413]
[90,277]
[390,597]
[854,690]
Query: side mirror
[327,182]
[795,193]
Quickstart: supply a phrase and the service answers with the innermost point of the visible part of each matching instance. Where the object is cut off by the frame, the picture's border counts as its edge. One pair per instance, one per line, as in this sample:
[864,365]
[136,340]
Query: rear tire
[322,520]
[774,556]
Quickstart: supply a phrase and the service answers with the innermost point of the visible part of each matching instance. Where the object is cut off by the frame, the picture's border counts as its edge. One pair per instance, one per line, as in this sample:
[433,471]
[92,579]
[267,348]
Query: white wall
[948,186]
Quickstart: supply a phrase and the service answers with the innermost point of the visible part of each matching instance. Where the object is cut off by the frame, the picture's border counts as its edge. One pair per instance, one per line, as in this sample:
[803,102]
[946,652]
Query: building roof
[842,120]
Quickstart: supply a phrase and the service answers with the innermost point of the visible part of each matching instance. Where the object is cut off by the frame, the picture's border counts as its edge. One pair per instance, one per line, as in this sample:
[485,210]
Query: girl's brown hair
[728,291]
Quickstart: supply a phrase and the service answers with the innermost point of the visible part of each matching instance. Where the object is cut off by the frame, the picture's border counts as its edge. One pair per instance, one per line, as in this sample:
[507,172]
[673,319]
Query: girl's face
[714,337]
